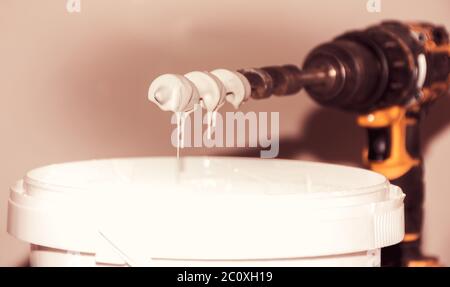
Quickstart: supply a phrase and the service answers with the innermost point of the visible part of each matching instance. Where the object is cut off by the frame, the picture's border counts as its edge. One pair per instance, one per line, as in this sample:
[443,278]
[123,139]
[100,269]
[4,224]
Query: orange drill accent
[399,161]
[410,237]
[430,45]
[436,89]
[424,263]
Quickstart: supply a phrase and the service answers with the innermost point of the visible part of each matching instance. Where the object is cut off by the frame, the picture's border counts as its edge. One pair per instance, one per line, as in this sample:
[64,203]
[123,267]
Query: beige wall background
[73,86]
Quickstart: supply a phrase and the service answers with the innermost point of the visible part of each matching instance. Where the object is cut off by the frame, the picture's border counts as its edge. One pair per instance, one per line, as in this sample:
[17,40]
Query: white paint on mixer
[212,94]
[177,94]
[237,88]
[173,93]
[180,131]
[181,94]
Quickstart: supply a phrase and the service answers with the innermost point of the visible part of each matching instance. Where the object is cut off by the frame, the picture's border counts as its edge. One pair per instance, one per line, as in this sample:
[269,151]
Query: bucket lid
[216,208]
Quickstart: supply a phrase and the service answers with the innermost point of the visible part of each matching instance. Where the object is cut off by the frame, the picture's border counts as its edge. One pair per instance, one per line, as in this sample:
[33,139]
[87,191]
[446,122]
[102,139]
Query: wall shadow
[333,136]
[436,120]
[328,135]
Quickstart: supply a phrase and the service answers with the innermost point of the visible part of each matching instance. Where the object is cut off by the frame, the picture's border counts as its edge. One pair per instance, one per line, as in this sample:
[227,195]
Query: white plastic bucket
[217,212]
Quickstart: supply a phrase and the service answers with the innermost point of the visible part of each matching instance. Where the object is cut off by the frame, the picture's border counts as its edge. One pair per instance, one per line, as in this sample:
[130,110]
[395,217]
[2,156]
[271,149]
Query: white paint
[210,88]
[173,93]
[237,87]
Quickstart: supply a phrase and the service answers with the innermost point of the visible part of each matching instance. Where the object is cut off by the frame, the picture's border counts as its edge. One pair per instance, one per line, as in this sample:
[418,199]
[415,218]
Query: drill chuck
[341,73]
[356,76]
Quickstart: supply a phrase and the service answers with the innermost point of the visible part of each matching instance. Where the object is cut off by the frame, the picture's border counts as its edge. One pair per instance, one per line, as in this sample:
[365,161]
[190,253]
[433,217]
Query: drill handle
[406,153]
[394,151]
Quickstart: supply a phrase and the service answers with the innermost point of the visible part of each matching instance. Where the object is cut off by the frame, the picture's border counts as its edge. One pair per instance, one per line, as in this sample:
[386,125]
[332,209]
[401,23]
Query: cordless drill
[388,74]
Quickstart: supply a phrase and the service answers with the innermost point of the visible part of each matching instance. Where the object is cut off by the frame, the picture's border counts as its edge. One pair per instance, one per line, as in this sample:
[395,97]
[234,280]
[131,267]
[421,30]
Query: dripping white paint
[234,129]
